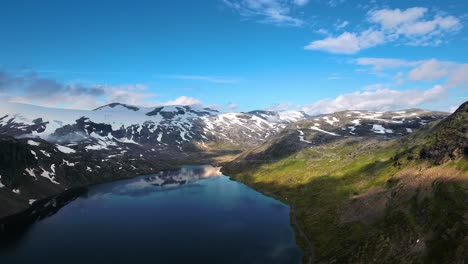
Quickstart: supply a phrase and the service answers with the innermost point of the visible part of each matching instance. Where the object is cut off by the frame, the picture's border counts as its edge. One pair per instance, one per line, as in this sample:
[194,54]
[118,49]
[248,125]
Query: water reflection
[162,181]
[191,215]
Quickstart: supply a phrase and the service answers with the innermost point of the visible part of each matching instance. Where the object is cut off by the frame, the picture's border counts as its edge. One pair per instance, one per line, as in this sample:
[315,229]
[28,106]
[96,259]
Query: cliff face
[15,156]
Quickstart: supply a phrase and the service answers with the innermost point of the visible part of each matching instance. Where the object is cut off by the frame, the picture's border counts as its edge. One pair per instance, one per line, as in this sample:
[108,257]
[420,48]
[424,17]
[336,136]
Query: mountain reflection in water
[190,215]
[165,180]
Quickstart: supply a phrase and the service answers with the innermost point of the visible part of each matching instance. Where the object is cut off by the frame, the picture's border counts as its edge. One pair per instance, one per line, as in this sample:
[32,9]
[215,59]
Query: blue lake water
[192,215]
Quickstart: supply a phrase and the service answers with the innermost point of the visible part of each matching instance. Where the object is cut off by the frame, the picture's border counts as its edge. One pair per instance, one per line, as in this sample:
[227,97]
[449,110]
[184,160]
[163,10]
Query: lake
[190,215]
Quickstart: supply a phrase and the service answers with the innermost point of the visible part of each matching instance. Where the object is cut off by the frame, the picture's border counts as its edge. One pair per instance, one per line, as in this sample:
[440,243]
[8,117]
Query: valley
[362,185]
[49,150]
[234,132]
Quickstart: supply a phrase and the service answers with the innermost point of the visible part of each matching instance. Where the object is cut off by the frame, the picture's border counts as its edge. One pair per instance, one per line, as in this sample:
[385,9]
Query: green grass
[318,181]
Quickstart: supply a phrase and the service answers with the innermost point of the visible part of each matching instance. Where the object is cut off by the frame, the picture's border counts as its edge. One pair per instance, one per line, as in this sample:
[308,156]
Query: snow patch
[45,153]
[49,175]
[70,164]
[291,116]
[31,173]
[64,149]
[331,121]
[323,131]
[301,137]
[95,147]
[33,143]
[129,141]
[379,129]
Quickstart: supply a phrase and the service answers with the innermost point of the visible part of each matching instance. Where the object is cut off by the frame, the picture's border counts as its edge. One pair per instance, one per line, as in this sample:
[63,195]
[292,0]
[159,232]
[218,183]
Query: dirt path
[310,254]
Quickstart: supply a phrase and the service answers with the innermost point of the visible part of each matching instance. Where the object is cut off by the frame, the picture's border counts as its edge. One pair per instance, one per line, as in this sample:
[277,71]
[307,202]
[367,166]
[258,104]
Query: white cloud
[232,106]
[422,70]
[322,31]
[183,100]
[459,76]
[341,25]
[348,43]
[277,12]
[425,27]
[380,99]
[129,94]
[399,78]
[392,18]
[281,107]
[411,22]
[33,89]
[429,70]
[379,64]
[345,43]
[412,26]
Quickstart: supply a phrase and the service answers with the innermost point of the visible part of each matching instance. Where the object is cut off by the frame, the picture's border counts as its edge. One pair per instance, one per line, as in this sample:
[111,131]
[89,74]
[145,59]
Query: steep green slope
[366,200]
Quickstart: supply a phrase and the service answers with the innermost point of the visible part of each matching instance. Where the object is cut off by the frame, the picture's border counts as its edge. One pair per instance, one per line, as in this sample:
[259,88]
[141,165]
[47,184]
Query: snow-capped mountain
[115,126]
[366,123]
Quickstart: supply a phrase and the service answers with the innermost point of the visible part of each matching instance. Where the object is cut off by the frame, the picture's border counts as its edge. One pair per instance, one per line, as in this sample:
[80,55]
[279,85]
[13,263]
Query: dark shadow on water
[13,228]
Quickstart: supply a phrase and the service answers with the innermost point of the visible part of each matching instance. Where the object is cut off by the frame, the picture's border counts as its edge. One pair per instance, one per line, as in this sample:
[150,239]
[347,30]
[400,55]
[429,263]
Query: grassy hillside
[363,200]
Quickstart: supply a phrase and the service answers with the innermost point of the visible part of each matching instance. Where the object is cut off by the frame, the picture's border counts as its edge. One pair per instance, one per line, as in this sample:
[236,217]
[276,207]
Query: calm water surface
[193,215]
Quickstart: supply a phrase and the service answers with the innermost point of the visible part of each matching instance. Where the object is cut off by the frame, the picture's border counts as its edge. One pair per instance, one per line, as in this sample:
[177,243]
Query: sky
[318,56]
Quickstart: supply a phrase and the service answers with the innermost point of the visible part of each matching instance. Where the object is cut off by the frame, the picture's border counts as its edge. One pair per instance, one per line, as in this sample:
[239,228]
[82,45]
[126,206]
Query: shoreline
[12,226]
[309,252]
[309,258]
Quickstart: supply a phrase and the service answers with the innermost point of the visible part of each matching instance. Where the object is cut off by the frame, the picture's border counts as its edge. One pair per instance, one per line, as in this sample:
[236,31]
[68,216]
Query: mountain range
[48,150]
[340,172]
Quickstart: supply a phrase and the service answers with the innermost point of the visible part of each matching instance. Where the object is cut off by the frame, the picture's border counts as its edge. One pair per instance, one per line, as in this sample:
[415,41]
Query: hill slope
[369,199]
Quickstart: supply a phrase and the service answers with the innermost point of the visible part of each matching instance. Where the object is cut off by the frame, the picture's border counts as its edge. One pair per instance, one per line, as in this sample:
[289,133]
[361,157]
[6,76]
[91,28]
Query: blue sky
[239,55]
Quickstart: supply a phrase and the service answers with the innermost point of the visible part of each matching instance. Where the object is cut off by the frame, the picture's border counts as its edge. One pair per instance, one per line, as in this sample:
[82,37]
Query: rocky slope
[369,198]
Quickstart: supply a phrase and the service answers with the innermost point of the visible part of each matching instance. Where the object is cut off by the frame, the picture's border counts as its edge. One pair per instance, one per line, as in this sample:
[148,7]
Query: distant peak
[112,105]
